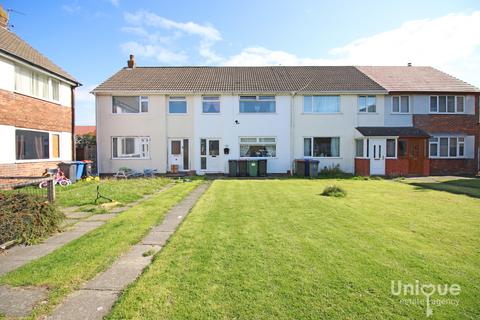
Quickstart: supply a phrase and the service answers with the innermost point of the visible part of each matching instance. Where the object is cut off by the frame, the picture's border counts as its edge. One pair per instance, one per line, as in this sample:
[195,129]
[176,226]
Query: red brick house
[37,108]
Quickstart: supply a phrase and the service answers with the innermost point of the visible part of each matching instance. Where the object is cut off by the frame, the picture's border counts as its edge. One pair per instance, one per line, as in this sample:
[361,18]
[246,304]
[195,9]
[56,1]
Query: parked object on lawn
[100,196]
[79,171]
[306,167]
[69,168]
[59,178]
[149,173]
[126,173]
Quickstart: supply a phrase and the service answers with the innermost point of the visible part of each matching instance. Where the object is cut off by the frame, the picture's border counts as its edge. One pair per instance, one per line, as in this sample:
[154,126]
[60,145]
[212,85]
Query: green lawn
[470,187]
[83,193]
[270,249]
[80,260]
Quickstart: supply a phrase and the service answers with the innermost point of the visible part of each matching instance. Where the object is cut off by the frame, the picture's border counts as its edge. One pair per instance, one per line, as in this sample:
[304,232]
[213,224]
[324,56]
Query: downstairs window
[130,147]
[32,145]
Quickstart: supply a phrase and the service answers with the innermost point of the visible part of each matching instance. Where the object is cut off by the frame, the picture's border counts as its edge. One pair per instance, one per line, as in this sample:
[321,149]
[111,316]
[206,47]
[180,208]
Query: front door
[210,155]
[416,155]
[377,149]
[178,154]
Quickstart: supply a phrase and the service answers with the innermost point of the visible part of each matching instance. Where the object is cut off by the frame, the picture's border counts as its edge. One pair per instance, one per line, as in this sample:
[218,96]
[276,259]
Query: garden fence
[29,185]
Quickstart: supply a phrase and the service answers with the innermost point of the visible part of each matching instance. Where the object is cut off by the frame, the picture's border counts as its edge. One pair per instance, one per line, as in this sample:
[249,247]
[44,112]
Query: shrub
[332,171]
[27,218]
[334,191]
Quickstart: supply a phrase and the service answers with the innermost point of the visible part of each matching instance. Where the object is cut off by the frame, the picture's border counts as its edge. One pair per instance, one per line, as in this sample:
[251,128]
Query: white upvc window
[447,104]
[129,104]
[391,148]
[130,147]
[321,104]
[257,104]
[401,104]
[210,104]
[367,104]
[177,105]
[258,147]
[31,145]
[36,84]
[447,147]
[323,147]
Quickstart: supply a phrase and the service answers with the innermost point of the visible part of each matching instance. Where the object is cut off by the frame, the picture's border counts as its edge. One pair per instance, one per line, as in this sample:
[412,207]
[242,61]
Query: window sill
[449,113]
[322,157]
[211,113]
[400,113]
[130,158]
[178,114]
[39,98]
[368,113]
[130,114]
[39,160]
[258,113]
[447,158]
[322,113]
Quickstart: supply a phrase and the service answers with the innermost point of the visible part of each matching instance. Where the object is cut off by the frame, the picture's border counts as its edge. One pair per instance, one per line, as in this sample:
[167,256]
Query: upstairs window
[321,104]
[211,104]
[36,84]
[400,104]
[447,104]
[32,145]
[367,104]
[177,105]
[130,104]
[257,104]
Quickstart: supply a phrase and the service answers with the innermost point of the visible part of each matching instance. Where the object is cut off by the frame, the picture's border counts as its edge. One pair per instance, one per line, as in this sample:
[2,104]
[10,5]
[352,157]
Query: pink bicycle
[59,178]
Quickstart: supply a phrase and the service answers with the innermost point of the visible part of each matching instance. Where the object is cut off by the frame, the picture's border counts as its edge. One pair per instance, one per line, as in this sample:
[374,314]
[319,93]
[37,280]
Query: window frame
[312,146]
[34,76]
[257,99]
[455,98]
[460,144]
[144,140]
[312,97]
[212,100]
[177,98]
[395,148]
[399,97]
[50,145]
[140,100]
[367,106]
[257,142]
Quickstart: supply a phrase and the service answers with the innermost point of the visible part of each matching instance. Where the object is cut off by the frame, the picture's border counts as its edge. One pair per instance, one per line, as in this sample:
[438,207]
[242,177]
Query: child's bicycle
[59,178]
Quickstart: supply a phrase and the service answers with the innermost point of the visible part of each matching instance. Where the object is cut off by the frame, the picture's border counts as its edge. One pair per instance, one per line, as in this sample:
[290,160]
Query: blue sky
[92,39]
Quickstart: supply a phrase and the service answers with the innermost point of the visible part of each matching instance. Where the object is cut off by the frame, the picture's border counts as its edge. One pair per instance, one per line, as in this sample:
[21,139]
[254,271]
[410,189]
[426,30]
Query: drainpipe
[292,129]
[73,122]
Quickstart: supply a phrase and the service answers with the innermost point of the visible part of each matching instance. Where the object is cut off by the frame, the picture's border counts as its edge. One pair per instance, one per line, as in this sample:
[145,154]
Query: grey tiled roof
[416,79]
[392,132]
[13,45]
[241,79]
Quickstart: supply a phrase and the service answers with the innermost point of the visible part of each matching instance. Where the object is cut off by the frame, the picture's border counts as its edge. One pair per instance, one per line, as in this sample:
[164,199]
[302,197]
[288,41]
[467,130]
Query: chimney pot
[3,18]
[131,62]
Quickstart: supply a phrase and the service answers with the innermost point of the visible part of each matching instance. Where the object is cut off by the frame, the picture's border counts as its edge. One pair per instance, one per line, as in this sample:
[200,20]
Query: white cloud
[115,3]
[450,43]
[158,52]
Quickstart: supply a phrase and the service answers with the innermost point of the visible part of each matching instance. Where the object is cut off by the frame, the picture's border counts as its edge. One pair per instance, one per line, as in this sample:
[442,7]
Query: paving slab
[157,237]
[86,304]
[67,222]
[101,217]
[88,225]
[77,215]
[20,301]
[118,209]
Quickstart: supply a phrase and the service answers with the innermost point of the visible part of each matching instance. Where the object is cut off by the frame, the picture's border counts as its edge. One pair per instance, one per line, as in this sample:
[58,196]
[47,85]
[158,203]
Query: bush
[334,191]
[332,171]
[27,218]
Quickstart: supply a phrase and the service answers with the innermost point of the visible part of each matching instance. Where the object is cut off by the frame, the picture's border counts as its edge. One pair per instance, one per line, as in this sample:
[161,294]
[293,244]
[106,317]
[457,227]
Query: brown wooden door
[416,155]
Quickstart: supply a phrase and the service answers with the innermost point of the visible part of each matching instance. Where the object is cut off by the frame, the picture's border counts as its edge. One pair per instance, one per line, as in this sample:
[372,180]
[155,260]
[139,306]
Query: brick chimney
[131,62]
[3,18]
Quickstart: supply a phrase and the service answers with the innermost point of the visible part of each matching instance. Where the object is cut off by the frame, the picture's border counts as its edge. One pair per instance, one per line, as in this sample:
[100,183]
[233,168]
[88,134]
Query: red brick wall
[362,167]
[396,167]
[440,167]
[27,112]
[26,169]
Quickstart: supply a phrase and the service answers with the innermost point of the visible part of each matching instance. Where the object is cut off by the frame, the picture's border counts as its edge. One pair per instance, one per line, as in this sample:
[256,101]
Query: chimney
[409,64]
[3,18]
[131,62]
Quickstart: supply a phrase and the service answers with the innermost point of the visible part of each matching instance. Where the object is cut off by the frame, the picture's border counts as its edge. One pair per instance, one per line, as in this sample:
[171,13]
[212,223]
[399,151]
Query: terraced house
[36,109]
[367,120]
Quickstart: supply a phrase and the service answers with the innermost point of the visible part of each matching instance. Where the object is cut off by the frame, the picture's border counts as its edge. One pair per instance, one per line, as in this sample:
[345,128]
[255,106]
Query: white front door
[178,154]
[210,159]
[377,149]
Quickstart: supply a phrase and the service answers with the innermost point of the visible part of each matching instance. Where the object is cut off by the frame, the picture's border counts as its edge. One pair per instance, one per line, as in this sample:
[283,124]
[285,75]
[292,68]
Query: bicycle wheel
[43,184]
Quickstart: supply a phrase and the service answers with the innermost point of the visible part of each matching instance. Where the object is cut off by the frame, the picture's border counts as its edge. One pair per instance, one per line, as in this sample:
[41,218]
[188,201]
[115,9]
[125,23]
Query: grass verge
[71,265]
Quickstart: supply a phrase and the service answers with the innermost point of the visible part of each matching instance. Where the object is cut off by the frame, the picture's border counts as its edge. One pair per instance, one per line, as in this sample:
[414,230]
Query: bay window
[321,104]
[447,147]
[321,147]
[367,104]
[130,104]
[257,104]
[130,147]
[447,104]
[258,147]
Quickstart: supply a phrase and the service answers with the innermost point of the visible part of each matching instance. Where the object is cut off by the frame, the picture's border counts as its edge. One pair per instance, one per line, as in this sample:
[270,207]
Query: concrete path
[96,297]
